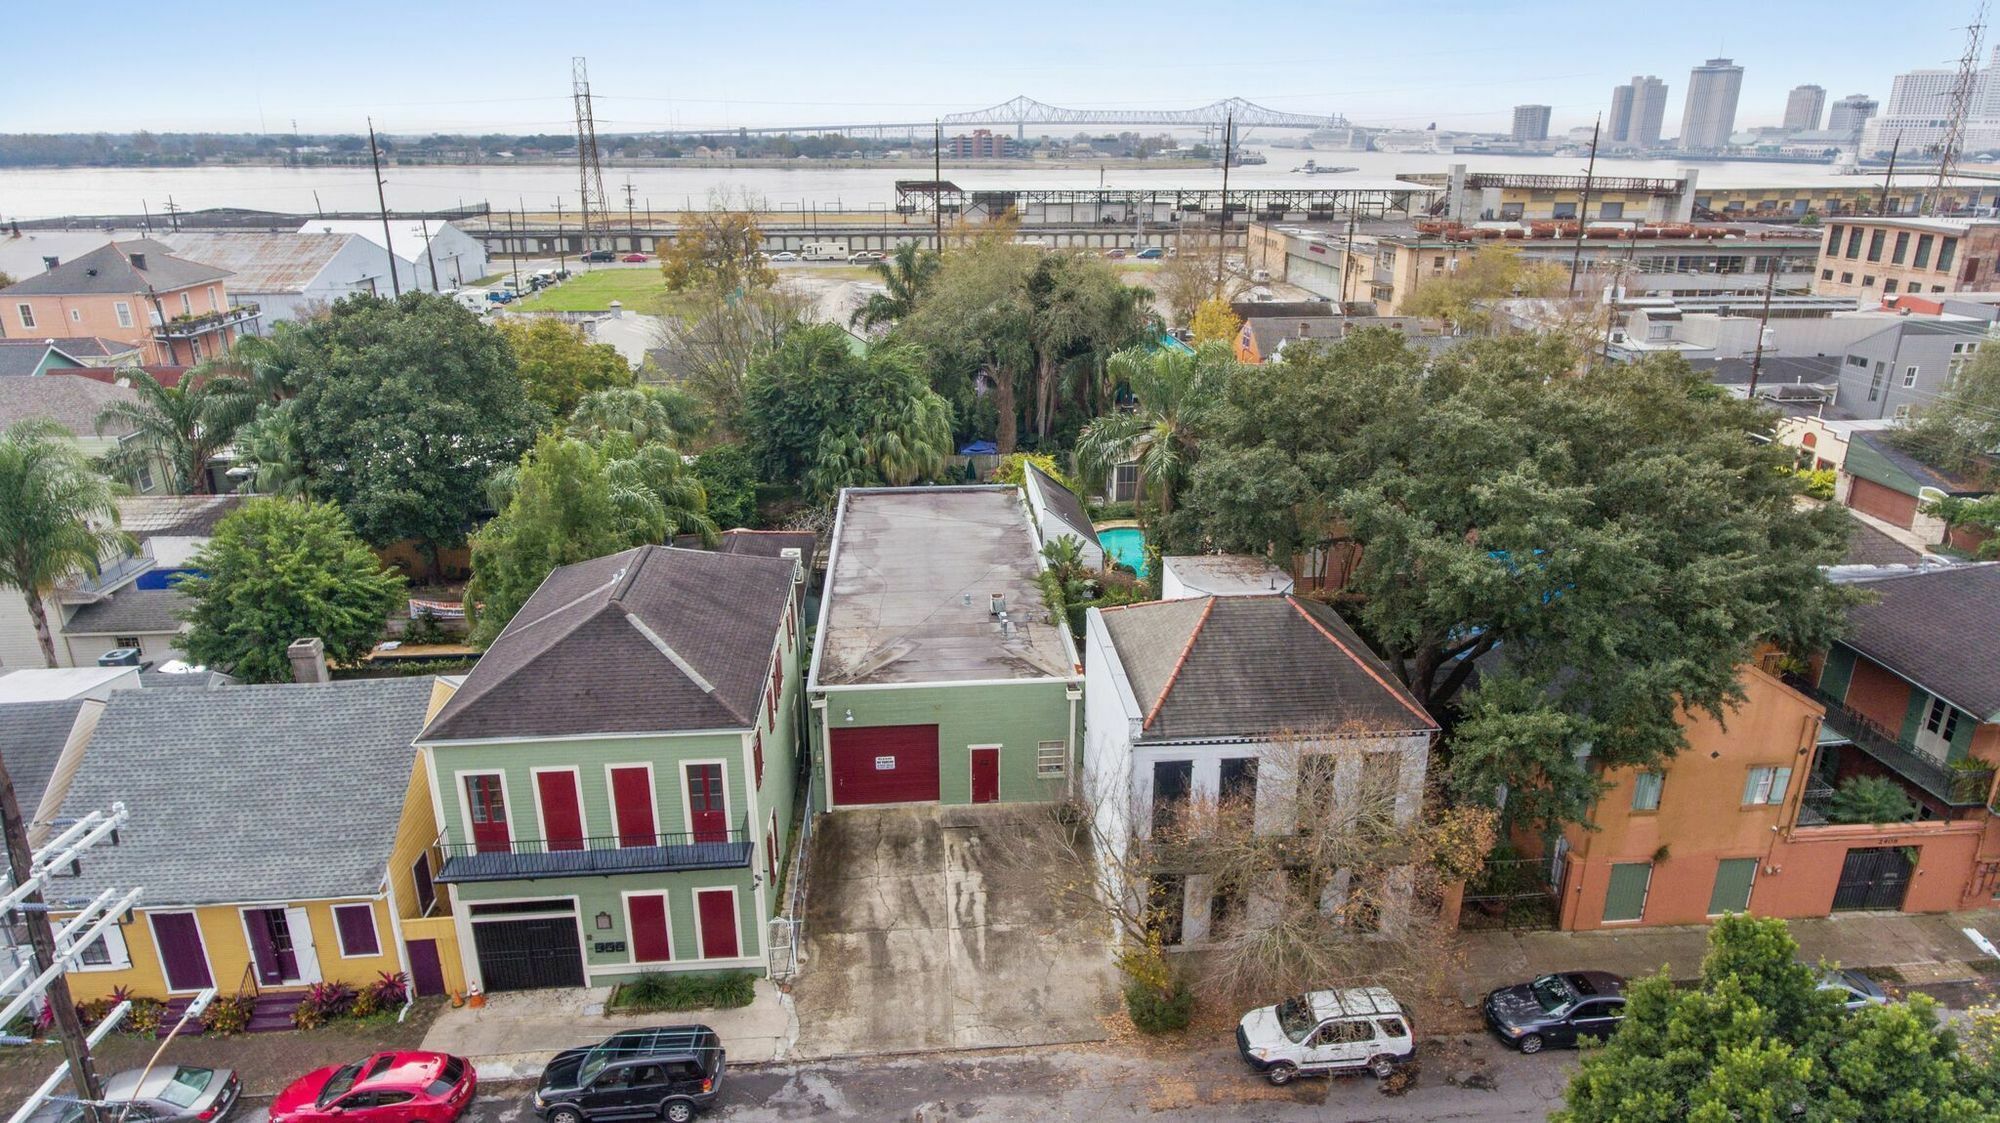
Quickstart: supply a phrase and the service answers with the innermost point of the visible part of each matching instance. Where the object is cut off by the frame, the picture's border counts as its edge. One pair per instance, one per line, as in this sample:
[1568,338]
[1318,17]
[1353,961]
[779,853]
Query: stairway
[272,1013]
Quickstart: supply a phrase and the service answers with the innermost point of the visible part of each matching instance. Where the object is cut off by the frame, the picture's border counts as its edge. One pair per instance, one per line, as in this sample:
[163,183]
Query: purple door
[271,946]
[426,970]
[179,940]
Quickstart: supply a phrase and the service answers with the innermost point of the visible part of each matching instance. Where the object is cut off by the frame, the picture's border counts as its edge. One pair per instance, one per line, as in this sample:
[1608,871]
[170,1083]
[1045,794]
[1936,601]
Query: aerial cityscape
[781,562]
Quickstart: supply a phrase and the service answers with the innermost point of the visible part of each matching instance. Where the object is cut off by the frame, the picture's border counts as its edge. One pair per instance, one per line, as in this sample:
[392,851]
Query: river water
[43,193]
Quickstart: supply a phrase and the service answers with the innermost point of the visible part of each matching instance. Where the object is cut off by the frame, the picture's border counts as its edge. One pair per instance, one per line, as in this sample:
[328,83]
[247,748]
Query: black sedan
[1557,1009]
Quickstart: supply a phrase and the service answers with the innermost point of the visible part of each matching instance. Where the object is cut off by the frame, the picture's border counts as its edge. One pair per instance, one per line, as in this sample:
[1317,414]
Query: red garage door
[885,764]
[1887,504]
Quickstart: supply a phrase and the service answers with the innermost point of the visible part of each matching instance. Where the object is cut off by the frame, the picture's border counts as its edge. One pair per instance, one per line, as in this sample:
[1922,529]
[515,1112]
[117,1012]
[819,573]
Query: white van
[1327,1031]
[824,251]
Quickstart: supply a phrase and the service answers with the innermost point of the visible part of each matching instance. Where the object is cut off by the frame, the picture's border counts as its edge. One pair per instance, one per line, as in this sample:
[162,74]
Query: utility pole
[1347,254]
[631,220]
[562,239]
[515,246]
[1882,205]
[173,215]
[430,254]
[1583,207]
[1763,322]
[20,865]
[937,182]
[1222,248]
[382,202]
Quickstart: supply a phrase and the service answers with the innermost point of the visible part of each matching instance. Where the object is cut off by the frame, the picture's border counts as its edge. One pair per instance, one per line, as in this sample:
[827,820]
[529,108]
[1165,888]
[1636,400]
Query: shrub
[686,990]
[423,629]
[1871,799]
[1156,1011]
[146,1017]
[323,1003]
[228,1016]
[391,989]
[365,1004]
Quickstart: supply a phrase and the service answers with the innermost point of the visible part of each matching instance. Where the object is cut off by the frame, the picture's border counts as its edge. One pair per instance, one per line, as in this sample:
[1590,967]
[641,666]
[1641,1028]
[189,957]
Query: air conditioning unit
[120,657]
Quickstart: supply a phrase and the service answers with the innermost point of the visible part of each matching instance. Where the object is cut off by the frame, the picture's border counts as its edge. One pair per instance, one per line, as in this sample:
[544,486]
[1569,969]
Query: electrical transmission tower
[1961,107]
[589,172]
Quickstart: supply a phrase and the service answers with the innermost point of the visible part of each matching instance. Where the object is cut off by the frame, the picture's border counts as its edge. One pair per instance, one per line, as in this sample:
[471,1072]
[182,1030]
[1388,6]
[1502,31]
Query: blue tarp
[979,448]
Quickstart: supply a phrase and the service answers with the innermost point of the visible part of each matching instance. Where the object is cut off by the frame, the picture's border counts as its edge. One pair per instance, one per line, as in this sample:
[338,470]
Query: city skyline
[426,73]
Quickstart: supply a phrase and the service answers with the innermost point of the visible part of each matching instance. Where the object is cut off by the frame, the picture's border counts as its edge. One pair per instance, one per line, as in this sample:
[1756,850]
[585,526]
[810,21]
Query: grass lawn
[640,290]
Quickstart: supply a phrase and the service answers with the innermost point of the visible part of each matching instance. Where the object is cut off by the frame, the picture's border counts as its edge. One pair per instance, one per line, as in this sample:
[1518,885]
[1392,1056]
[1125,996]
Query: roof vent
[138,261]
[51,262]
[998,605]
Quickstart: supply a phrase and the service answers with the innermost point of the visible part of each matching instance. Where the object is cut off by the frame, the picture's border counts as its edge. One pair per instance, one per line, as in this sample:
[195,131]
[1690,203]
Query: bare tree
[1333,868]
[708,350]
[1189,277]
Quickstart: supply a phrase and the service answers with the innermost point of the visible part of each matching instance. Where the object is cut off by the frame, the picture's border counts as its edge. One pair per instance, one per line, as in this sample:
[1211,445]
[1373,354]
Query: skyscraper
[1618,130]
[1710,115]
[1531,122]
[1802,109]
[1919,110]
[1637,108]
[1850,114]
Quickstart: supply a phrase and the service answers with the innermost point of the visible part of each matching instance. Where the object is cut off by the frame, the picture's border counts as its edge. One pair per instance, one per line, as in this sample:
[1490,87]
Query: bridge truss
[1022,111]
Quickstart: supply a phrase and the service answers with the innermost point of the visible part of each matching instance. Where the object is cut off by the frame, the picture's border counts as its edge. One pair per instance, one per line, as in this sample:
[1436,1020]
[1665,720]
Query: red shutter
[632,801]
[757,755]
[651,941]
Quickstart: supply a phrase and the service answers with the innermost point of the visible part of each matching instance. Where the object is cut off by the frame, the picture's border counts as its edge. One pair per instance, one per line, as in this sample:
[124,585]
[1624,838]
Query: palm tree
[907,275]
[56,516]
[914,442]
[1169,384]
[182,426]
[269,447]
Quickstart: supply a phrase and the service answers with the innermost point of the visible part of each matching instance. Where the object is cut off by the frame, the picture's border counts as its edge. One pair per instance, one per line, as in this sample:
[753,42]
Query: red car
[637,257]
[384,1088]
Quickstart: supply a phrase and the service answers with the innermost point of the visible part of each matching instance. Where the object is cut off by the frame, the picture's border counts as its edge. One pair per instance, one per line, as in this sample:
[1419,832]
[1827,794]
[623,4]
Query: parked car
[636,257]
[1854,989]
[865,257]
[499,296]
[1114,253]
[413,1087]
[168,1094]
[669,1072]
[784,255]
[1150,253]
[1557,1009]
[1327,1031]
[600,255]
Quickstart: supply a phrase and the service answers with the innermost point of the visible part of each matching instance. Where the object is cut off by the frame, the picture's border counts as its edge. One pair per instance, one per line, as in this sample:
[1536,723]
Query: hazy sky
[504,66]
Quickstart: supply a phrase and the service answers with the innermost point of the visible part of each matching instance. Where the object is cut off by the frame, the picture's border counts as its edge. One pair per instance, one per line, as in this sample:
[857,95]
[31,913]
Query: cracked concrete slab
[919,936]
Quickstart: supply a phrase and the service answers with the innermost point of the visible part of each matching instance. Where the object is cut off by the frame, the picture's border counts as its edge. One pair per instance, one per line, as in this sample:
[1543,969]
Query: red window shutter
[757,755]
[777,687]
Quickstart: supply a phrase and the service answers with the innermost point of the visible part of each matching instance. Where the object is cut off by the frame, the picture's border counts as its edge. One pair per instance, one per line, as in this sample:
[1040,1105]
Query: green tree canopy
[559,365]
[906,278]
[643,414]
[826,418]
[718,251]
[1175,390]
[1492,272]
[571,501]
[1756,1041]
[976,326]
[277,570]
[178,428]
[406,408]
[1960,430]
[56,516]
[1604,550]
[728,474]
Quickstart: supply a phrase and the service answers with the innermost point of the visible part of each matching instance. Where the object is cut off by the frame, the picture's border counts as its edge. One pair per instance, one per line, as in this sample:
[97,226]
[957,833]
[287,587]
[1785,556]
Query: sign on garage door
[885,764]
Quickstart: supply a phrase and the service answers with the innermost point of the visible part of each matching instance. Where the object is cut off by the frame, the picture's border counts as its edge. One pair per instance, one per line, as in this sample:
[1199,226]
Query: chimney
[50,262]
[138,261]
[1305,329]
[308,658]
[792,554]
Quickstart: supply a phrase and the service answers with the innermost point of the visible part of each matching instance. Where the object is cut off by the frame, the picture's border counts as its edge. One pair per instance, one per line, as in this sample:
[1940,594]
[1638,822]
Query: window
[187,305]
[1646,791]
[1854,242]
[125,641]
[1909,376]
[1236,779]
[1857,360]
[1902,412]
[420,875]
[1961,354]
[216,306]
[1051,758]
[1923,258]
[1875,245]
[1847,278]
[1826,274]
[1867,280]
[356,926]
[1659,331]
[1833,240]
[1875,386]
[145,477]
[1764,786]
[124,310]
[1889,285]
[1610,210]
[27,312]
[1946,249]
[76,315]
[1437,262]
[1902,249]
[1941,718]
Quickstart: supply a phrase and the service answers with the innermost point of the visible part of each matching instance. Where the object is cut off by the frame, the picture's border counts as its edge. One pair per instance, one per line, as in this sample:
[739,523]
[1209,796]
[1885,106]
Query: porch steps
[271,1014]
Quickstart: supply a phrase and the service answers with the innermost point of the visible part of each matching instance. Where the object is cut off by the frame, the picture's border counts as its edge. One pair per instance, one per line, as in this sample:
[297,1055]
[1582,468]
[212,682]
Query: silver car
[169,1094]
[1853,988]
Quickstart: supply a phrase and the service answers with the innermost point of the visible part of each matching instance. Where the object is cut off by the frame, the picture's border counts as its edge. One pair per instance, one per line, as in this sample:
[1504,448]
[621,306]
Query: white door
[1934,735]
[300,926]
[1340,1044]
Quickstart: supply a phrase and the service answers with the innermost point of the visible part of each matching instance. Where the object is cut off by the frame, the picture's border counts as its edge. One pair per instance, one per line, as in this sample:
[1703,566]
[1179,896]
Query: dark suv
[667,1073]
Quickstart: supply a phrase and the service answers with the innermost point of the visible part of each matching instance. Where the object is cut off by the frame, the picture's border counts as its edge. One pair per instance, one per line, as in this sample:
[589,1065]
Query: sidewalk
[1931,948]
[514,1035]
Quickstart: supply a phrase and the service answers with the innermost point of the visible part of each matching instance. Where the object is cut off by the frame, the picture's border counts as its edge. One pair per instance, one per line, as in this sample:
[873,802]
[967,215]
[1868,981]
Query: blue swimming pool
[1125,545]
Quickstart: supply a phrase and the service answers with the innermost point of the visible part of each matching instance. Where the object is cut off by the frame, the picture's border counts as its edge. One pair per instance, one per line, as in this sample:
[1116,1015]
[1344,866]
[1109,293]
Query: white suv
[1327,1031]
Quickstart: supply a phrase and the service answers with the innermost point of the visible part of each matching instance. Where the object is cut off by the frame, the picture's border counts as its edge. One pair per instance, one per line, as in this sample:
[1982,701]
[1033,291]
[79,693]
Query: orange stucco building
[178,311]
[1744,818]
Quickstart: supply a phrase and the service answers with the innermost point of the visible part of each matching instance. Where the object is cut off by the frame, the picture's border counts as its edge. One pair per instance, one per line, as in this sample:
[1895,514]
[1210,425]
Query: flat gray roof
[909,590]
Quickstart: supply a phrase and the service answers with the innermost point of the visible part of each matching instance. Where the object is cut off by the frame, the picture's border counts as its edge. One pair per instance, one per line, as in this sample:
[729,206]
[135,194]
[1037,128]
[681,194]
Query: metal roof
[261,262]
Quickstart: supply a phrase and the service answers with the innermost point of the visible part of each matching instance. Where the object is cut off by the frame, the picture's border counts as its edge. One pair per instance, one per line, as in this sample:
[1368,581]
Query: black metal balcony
[1954,785]
[597,856]
[202,323]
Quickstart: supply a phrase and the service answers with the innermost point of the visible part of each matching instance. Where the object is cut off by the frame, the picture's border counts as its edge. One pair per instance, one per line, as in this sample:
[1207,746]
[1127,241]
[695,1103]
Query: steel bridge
[1023,111]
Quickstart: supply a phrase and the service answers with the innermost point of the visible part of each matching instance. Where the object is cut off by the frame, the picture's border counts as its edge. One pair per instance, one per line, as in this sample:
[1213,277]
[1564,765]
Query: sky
[504,66]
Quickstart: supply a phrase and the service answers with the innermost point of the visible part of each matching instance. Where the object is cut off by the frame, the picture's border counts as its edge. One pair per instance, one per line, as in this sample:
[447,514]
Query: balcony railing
[84,587]
[1954,786]
[596,856]
[201,323]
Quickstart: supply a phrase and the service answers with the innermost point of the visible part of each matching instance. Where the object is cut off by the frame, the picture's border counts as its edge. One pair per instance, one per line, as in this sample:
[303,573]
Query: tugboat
[1314,168]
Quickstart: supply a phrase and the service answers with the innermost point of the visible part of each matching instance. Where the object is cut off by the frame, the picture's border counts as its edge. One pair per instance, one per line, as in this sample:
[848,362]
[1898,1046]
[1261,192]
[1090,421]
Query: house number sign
[885,764]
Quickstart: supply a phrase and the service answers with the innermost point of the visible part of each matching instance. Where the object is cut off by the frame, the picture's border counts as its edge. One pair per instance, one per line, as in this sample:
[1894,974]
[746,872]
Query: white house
[1214,697]
[1058,514]
[287,274]
[1221,575]
[437,255]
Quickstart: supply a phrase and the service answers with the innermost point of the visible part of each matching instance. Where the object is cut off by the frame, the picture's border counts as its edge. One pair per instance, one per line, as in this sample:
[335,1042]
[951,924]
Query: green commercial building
[939,674]
[614,781]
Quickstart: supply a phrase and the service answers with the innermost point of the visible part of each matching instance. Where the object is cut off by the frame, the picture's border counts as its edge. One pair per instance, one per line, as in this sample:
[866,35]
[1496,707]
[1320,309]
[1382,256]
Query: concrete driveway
[920,935]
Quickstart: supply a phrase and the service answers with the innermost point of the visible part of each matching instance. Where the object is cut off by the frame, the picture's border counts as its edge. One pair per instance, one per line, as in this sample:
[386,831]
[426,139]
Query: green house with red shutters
[615,779]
